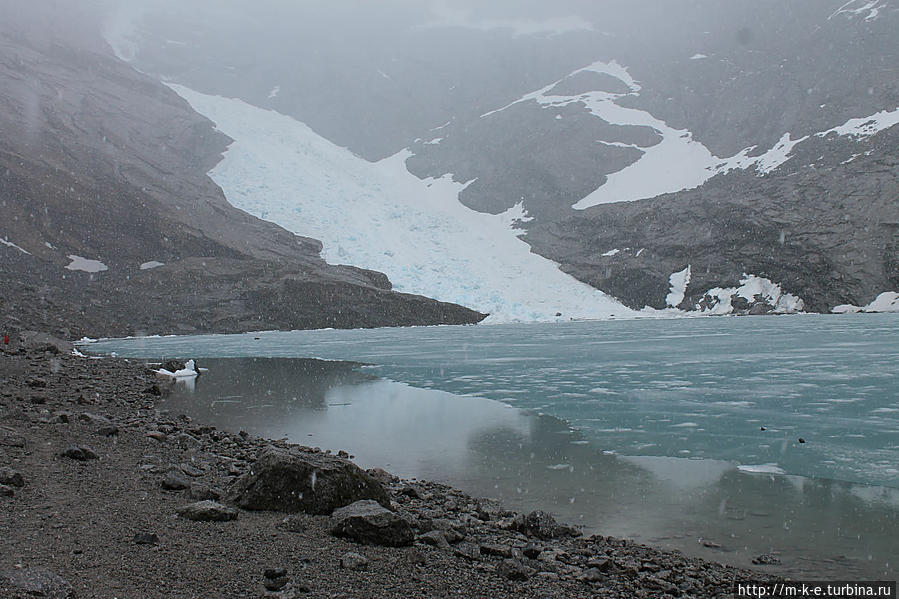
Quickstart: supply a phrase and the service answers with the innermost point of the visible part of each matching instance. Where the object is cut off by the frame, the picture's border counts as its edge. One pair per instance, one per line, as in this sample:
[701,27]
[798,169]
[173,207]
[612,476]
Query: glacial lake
[681,433]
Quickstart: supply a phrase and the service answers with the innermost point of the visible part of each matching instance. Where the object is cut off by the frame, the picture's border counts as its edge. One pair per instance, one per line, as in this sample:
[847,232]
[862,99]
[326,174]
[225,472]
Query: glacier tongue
[381,217]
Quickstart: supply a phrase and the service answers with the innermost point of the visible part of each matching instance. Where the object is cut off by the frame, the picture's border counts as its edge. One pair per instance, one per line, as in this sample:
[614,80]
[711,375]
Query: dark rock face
[370,523]
[828,233]
[100,161]
[290,480]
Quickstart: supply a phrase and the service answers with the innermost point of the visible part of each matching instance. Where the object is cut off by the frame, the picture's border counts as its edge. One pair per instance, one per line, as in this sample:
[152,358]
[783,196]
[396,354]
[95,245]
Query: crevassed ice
[380,216]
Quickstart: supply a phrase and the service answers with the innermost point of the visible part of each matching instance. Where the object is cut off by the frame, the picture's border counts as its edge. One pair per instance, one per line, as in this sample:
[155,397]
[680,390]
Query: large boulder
[294,480]
[543,526]
[370,523]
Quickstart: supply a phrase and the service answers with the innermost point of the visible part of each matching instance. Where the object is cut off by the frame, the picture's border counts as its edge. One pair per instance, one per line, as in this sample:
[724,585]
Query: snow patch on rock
[85,265]
[888,301]
[677,283]
[753,290]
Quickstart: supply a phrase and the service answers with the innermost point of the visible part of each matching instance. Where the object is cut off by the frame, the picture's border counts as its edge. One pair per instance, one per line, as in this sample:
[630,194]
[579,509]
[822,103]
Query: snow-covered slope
[379,216]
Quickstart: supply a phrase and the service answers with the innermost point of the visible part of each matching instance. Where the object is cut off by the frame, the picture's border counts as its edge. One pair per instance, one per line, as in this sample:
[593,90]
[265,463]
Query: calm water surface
[645,429]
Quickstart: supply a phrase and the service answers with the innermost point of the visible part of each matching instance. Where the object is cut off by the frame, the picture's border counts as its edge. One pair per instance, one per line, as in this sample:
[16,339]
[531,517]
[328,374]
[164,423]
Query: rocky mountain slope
[110,225]
[753,146]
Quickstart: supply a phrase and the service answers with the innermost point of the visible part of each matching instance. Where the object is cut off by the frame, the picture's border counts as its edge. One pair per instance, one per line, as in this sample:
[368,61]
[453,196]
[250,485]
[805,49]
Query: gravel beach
[104,495]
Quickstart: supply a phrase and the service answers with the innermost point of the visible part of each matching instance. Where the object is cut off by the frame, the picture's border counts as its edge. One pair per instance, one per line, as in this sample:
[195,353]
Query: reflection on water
[819,528]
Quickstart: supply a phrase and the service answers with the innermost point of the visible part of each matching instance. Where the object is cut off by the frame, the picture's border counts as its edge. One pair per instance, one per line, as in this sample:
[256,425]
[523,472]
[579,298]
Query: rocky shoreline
[105,495]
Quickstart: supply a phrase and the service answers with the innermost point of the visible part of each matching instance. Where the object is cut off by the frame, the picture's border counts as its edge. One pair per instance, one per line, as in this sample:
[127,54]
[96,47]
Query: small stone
[434,538]
[186,441]
[201,492]
[156,435]
[109,430]
[6,491]
[275,572]
[591,575]
[175,482]
[63,417]
[496,550]
[12,440]
[92,418]
[353,561]
[191,471]
[207,511]
[81,453]
[711,544]
[532,551]
[601,563]
[468,551]
[146,538]
[513,569]
[766,559]
[275,584]
[417,557]
[801,440]
[10,477]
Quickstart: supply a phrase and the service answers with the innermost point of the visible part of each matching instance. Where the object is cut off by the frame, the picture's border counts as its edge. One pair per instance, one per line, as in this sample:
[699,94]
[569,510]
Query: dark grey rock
[532,551]
[175,482]
[496,550]
[191,470]
[11,477]
[9,439]
[468,551]
[109,430]
[146,538]
[298,481]
[93,418]
[369,522]
[766,559]
[201,492]
[275,584]
[353,561]
[207,511]
[513,569]
[6,491]
[81,453]
[543,526]
[434,538]
[39,582]
[275,572]
[592,575]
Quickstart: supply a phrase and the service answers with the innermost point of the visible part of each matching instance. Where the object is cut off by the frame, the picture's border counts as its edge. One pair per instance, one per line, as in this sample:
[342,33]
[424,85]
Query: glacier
[377,215]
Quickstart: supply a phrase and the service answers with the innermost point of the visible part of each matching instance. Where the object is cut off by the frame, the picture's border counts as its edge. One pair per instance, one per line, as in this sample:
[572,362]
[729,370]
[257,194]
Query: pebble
[207,511]
[353,561]
[10,477]
[82,453]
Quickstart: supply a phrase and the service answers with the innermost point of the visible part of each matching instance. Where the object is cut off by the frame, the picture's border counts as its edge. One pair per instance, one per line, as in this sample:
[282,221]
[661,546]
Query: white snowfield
[380,216]
[678,162]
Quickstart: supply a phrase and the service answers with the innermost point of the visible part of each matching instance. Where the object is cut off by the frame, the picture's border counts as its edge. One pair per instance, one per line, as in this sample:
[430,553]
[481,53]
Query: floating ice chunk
[85,265]
[611,253]
[761,468]
[189,371]
[274,93]
[151,264]
[698,56]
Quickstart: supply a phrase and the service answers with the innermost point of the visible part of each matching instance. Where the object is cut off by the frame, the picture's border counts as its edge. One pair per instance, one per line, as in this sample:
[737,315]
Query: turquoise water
[687,388]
